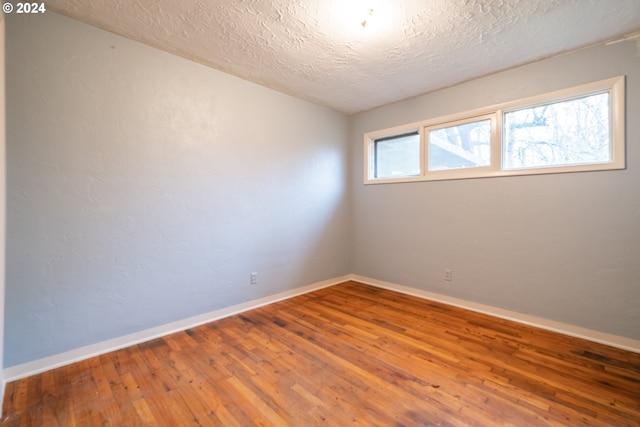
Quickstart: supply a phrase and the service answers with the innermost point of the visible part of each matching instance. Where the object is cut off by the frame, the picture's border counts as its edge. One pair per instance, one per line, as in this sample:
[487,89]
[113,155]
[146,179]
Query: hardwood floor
[346,355]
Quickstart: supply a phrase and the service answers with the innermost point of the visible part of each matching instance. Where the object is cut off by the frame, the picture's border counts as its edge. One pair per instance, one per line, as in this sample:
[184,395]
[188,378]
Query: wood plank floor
[346,355]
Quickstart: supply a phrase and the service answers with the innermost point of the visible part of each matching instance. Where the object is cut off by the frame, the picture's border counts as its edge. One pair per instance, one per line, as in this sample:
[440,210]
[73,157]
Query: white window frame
[614,86]
[369,152]
[462,172]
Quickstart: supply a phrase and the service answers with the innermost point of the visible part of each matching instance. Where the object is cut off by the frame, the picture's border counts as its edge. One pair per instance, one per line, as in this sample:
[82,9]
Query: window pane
[397,156]
[462,146]
[564,133]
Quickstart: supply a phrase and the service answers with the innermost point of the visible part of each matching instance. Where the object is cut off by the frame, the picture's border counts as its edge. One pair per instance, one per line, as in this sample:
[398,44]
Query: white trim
[493,165]
[615,86]
[41,365]
[369,144]
[617,341]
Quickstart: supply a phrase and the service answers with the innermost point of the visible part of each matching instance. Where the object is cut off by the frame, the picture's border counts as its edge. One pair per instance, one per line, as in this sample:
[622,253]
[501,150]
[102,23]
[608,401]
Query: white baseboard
[550,325]
[37,366]
[41,365]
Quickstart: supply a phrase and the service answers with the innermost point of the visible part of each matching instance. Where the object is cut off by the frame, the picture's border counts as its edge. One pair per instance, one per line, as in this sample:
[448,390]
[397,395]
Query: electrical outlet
[254,278]
[448,275]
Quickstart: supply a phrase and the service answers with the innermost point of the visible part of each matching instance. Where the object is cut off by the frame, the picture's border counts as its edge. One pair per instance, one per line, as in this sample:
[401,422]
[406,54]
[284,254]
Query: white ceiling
[317,50]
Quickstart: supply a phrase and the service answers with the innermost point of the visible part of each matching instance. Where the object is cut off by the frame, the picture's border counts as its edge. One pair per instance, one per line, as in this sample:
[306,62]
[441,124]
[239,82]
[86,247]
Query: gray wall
[564,247]
[144,188]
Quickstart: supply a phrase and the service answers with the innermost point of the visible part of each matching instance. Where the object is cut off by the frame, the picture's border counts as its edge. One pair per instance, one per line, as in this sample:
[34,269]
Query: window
[462,145]
[397,156]
[570,132]
[578,129]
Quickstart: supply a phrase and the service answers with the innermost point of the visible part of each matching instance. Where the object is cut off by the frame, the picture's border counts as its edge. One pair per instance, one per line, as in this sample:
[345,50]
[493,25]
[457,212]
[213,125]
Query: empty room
[320,213]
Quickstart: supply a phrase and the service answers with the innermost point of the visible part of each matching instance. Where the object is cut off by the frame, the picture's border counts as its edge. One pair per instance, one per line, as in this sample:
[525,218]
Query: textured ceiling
[319,51]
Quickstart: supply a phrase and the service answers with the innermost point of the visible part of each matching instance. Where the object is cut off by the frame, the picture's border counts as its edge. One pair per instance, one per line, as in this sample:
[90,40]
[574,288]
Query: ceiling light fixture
[359,19]
[367,18]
